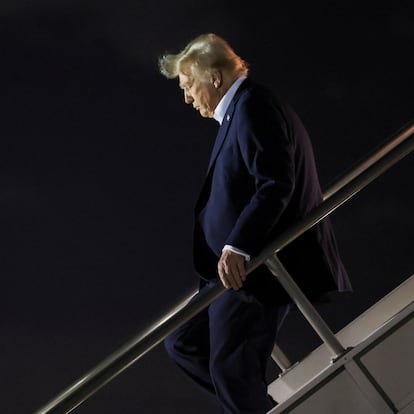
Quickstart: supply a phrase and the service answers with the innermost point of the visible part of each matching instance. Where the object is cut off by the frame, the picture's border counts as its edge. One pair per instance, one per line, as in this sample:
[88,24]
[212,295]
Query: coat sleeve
[267,150]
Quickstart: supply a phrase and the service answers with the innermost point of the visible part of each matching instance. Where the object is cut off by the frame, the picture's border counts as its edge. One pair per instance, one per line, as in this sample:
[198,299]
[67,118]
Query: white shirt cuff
[238,251]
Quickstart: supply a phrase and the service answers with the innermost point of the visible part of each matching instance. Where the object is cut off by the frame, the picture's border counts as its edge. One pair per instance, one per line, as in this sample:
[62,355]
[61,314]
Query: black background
[101,163]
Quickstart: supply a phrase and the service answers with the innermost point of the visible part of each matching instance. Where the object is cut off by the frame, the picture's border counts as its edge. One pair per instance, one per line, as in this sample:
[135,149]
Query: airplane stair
[374,376]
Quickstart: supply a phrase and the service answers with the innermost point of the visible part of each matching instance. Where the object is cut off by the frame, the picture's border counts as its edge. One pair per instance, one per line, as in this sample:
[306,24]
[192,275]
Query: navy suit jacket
[261,179]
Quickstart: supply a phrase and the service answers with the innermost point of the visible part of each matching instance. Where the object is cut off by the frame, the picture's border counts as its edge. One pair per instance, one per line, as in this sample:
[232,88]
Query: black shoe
[272,401]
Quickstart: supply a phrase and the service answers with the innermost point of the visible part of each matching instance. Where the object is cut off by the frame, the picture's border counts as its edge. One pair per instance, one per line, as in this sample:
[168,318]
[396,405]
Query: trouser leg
[226,348]
[189,348]
[242,335]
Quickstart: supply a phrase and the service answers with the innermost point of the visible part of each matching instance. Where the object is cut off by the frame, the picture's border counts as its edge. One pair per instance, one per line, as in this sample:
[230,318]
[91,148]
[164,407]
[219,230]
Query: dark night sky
[101,163]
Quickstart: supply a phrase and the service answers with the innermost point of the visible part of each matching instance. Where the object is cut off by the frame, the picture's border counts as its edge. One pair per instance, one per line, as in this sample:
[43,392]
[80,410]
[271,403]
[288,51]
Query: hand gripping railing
[400,145]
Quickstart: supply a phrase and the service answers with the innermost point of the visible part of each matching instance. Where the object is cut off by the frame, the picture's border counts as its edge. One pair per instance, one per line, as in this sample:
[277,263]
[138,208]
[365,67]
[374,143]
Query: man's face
[200,93]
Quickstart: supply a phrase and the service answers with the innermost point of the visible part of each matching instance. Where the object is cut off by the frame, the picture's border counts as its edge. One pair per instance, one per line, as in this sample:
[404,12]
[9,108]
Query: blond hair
[201,56]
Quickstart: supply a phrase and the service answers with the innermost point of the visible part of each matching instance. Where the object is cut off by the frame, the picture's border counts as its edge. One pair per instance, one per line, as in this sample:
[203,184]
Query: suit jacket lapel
[218,144]
[221,135]
[222,132]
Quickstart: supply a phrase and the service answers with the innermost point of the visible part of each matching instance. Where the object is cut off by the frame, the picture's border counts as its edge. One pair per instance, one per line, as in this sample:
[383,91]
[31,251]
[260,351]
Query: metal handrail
[400,145]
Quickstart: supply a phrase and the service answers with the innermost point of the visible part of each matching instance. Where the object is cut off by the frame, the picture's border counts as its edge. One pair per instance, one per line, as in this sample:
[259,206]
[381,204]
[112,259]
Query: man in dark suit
[261,179]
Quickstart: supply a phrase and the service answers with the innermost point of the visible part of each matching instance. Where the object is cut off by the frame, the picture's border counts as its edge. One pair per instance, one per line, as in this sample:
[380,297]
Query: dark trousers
[226,348]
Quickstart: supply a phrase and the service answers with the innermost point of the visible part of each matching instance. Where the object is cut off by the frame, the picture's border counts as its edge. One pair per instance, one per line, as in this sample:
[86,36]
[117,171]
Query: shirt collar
[224,103]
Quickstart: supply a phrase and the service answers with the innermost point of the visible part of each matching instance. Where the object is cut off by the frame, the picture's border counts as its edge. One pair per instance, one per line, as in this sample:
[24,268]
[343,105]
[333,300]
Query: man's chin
[206,114]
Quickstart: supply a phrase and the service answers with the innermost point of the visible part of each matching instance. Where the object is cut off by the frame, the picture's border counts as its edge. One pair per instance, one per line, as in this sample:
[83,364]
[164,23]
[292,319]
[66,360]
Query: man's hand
[232,270]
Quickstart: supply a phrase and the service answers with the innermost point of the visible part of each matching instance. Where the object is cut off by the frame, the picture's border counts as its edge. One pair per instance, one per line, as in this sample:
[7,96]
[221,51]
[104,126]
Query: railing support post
[280,358]
[304,305]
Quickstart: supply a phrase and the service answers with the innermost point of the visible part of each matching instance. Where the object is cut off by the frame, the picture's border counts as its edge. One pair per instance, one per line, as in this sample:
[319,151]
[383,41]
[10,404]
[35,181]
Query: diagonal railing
[375,164]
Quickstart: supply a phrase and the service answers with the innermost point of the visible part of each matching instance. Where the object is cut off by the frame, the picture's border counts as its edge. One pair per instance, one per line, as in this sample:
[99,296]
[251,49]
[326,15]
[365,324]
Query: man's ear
[216,79]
